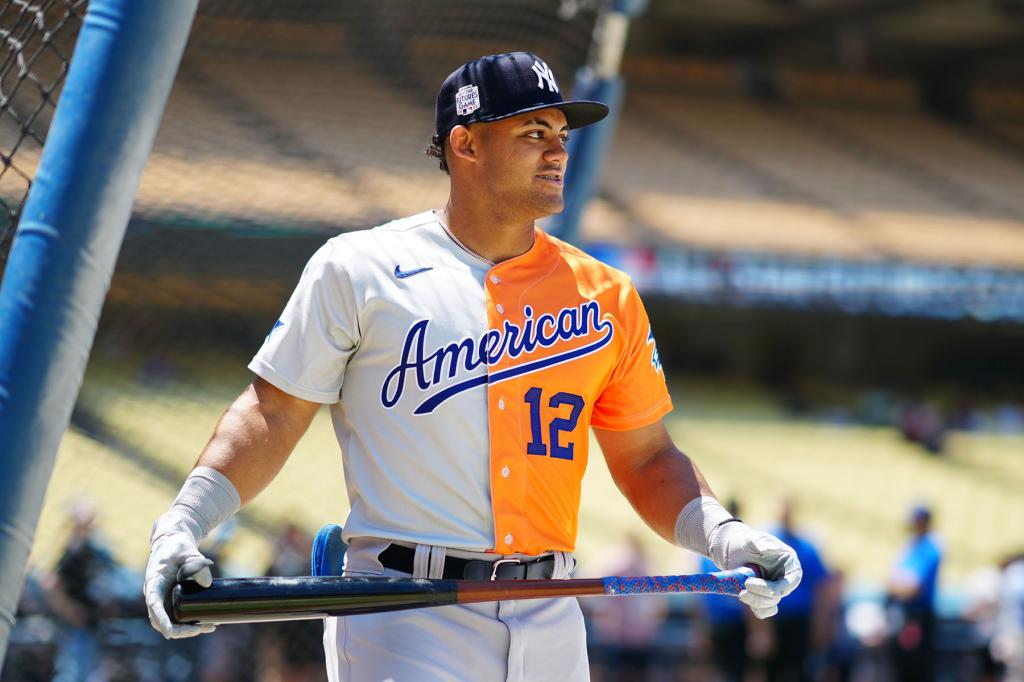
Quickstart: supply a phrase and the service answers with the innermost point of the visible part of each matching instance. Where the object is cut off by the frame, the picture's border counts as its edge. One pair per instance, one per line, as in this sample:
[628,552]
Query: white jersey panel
[346,331]
[308,348]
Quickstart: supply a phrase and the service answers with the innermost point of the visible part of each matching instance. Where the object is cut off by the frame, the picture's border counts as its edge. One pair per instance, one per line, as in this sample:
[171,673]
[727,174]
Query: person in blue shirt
[793,628]
[727,630]
[911,594]
[727,624]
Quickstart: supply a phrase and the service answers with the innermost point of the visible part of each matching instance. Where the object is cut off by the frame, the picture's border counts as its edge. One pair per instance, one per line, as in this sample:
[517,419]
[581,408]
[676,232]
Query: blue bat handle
[723,582]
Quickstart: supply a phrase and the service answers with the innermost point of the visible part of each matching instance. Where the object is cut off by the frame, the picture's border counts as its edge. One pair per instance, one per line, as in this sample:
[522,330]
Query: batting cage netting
[37,42]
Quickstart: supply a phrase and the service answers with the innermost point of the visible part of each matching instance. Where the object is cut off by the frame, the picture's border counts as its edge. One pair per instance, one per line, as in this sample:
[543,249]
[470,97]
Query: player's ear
[463,143]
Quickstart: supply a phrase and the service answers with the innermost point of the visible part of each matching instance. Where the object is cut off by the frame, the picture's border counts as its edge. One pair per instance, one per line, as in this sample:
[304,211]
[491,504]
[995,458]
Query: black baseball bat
[252,600]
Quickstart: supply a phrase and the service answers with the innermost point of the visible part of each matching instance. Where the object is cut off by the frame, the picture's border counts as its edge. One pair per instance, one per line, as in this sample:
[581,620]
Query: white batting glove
[736,544]
[207,499]
[174,558]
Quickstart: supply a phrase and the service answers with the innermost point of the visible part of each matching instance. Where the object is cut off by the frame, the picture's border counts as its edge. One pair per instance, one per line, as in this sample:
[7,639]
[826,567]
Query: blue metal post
[587,151]
[598,80]
[67,242]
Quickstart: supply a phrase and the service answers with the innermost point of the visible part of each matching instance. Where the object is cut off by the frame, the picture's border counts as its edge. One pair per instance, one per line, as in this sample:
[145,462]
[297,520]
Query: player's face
[524,162]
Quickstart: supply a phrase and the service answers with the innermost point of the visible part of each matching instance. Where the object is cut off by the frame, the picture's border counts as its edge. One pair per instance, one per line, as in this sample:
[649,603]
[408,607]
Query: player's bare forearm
[653,474]
[256,435]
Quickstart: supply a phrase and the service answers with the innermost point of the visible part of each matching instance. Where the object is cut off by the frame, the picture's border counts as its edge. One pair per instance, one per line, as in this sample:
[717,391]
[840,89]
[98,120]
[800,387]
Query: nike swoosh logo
[409,273]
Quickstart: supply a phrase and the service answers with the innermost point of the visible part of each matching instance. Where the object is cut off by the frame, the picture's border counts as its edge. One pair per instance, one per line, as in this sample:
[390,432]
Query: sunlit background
[821,201]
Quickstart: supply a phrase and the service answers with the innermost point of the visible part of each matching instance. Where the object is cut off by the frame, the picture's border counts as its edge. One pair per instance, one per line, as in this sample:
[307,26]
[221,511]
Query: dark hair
[436,150]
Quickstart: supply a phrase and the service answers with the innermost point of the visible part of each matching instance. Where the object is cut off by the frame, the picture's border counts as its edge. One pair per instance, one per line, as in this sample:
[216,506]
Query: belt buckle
[499,562]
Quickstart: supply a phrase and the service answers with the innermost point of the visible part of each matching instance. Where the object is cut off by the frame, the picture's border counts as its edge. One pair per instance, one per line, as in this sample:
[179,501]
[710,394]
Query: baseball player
[465,355]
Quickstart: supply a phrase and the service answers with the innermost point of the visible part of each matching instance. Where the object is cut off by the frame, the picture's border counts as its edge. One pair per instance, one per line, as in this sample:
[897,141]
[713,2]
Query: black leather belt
[400,558]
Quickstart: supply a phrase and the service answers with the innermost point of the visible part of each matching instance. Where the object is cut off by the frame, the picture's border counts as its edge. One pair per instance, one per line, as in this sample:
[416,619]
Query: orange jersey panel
[569,346]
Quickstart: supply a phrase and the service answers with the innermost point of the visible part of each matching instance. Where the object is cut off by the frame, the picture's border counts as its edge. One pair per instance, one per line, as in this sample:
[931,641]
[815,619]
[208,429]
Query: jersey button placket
[508,522]
[494,279]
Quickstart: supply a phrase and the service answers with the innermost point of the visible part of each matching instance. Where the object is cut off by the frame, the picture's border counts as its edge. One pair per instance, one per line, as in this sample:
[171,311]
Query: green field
[853,484]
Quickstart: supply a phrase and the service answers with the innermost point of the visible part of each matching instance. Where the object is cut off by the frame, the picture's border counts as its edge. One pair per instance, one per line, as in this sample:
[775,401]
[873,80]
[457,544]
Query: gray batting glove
[173,558]
[737,544]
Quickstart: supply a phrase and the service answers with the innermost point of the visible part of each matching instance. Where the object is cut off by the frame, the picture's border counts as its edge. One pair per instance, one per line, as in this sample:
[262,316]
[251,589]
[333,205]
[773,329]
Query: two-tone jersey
[462,391]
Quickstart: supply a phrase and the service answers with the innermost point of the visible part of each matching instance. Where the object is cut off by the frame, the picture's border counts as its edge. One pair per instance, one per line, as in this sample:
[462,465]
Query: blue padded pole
[66,245]
[588,149]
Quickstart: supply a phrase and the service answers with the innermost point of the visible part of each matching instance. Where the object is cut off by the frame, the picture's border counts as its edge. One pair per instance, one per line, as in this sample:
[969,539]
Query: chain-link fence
[37,42]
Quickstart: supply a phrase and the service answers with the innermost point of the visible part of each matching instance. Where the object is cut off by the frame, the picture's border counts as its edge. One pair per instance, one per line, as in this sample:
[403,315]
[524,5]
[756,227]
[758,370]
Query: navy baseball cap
[502,85]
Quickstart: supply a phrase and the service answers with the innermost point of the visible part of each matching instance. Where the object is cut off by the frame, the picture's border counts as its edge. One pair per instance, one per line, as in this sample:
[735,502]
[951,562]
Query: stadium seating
[691,166]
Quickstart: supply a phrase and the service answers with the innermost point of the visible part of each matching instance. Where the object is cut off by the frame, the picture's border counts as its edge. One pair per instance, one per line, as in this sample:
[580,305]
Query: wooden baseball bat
[252,600]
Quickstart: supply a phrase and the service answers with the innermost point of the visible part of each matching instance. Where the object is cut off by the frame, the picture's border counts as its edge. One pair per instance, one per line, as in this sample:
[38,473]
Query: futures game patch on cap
[501,85]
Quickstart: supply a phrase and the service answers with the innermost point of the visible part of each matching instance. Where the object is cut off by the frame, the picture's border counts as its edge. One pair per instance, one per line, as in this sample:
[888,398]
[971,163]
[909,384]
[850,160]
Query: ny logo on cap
[544,73]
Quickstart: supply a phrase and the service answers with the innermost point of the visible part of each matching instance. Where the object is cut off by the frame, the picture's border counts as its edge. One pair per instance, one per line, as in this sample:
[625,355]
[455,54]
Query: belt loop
[421,561]
[437,557]
[565,562]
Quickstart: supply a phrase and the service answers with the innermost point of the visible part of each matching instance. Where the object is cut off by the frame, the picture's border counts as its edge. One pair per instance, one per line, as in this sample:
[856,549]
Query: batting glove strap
[206,500]
[697,523]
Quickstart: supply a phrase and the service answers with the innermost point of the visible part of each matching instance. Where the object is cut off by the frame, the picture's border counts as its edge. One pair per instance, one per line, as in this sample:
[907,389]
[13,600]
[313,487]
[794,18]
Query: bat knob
[755,569]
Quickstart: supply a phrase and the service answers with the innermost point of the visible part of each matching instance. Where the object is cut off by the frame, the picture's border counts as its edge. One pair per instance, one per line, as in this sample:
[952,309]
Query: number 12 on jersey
[536,446]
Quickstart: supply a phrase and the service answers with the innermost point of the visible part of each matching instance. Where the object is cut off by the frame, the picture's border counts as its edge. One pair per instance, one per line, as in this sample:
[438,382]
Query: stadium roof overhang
[899,35]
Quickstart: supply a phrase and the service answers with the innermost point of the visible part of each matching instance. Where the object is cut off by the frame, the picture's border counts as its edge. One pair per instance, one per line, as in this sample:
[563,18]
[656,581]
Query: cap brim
[578,113]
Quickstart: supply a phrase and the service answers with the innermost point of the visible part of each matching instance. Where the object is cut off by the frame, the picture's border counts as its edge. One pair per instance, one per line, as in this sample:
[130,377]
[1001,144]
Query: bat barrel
[251,600]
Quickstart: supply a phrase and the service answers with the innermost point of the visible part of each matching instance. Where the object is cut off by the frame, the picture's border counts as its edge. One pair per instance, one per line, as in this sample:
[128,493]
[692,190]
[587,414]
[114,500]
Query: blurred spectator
[876,407]
[981,605]
[800,629]
[842,645]
[727,622]
[911,593]
[867,622]
[32,645]
[79,593]
[224,655]
[921,423]
[292,550]
[1009,418]
[627,629]
[964,416]
[1008,638]
[291,651]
